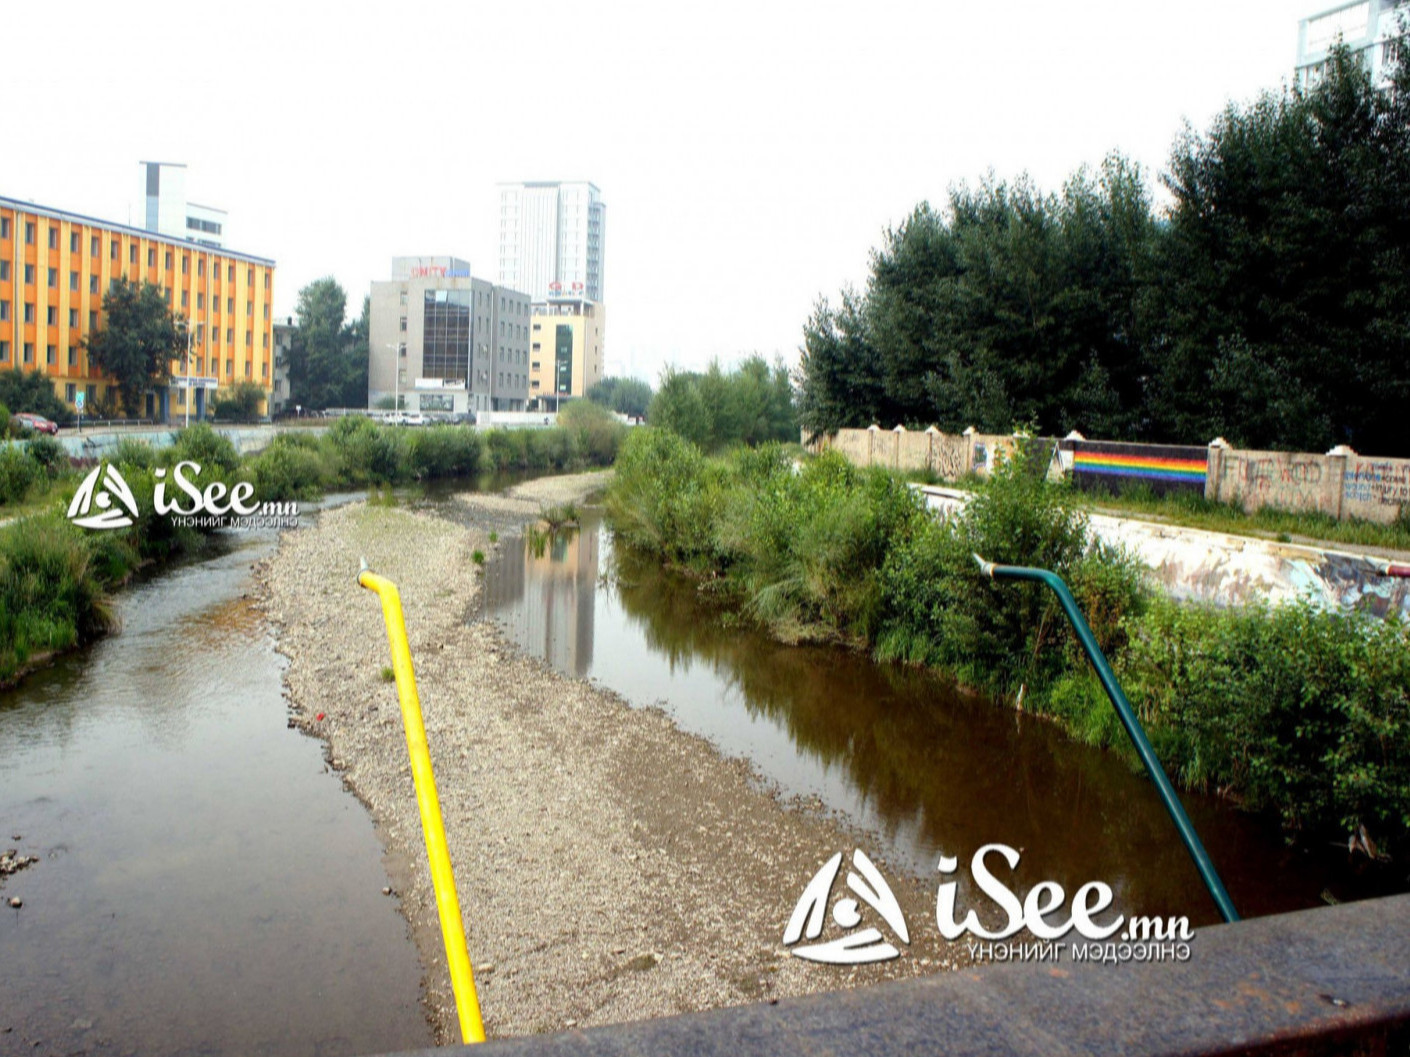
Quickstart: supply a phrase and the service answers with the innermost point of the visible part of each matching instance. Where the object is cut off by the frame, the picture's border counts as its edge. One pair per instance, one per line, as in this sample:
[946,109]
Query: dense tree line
[626,396]
[1268,303]
[751,404]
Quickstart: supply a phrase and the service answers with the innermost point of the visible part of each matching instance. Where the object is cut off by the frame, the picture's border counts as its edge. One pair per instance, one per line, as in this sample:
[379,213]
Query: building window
[54,278]
[29,352]
[185,264]
[132,253]
[200,300]
[250,276]
[266,340]
[230,305]
[53,238]
[4,271]
[215,335]
[201,267]
[266,311]
[73,241]
[230,335]
[93,246]
[249,369]
[113,249]
[92,284]
[92,322]
[73,318]
[249,308]
[51,315]
[4,352]
[29,311]
[249,339]
[151,257]
[4,227]
[51,354]
[266,280]
[185,298]
[73,280]
[264,369]
[4,311]
[230,274]
[73,362]
[29,275]
[29,233]
[230,368]
[168,260]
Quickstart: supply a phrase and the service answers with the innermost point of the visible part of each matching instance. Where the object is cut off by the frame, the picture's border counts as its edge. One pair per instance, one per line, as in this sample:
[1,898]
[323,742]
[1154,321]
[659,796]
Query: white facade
[551,239]
[166,210]
[1370,28]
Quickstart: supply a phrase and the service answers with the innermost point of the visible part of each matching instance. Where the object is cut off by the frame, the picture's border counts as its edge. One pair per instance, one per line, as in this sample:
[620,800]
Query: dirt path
[610,867]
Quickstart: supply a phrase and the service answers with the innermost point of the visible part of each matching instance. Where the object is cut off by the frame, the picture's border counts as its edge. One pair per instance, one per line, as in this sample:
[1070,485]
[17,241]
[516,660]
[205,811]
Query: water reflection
[923,768]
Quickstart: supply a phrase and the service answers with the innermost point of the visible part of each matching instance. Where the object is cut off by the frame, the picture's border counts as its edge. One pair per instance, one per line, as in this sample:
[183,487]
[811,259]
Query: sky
[751,155]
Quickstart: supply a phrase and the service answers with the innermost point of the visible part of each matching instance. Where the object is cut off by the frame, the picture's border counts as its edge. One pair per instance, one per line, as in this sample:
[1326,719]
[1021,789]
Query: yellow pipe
[462,976]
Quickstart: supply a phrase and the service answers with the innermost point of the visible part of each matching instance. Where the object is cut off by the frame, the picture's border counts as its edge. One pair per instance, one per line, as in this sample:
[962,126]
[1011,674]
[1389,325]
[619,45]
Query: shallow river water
[205,885]
[921,769]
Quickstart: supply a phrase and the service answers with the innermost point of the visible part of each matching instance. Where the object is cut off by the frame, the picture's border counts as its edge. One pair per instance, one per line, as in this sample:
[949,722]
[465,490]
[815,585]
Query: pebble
[16,902]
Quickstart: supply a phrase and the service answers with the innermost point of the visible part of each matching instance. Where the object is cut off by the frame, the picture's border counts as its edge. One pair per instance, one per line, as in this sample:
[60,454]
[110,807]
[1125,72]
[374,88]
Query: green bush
[285,472]
[596,433]
[442,451]
[135,453]
[49,454]
[18,473]
[212,451]
[368,453]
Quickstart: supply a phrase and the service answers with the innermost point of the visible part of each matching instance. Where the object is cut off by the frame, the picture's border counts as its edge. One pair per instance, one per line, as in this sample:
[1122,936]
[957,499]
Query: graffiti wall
[1105,466]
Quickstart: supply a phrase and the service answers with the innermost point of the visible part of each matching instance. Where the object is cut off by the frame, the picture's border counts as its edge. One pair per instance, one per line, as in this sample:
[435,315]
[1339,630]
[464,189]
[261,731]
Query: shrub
[135,453]
[285,472]
[17,474]
[369,453]
[201,444]
[52,457]
[597,435]
[442,451]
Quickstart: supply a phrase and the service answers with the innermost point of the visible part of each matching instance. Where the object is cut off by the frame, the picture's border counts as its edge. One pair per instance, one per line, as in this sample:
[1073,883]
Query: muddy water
[205,885]
[921,769]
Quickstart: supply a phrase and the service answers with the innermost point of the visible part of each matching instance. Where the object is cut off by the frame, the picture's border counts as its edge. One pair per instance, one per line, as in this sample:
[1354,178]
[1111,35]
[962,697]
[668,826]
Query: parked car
[416,418]
[38,423]
[394,418]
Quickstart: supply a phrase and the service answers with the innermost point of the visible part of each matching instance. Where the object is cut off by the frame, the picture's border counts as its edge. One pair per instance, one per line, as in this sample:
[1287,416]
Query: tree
[138,341]
[750,405]
[327,359]
[626,396]
[32,392]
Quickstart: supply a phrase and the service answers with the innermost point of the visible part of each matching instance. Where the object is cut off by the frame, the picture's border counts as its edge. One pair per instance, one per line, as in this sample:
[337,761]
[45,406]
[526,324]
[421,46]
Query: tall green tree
[751,404]
[626,396]
[138,341]
[328,355]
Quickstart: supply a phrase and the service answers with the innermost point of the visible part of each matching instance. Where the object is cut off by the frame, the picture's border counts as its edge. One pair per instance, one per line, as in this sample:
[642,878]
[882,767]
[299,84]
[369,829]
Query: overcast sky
[751,155]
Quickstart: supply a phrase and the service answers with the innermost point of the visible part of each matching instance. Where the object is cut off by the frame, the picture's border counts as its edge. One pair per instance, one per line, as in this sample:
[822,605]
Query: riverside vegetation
[1291,710]
[55,579]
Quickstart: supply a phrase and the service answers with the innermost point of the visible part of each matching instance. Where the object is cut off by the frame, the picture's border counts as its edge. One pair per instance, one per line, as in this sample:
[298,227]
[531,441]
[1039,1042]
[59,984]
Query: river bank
[610,867]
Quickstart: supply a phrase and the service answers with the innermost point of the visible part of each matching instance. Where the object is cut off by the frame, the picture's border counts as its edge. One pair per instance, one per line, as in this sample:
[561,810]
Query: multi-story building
[1370,28]
[551,239]
[565,350]
[167,211]
[55,267]
[443,341]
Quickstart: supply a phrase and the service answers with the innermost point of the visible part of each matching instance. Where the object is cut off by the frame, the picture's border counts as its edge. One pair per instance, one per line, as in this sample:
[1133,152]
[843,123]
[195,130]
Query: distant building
[167,211]
[1370,28]
[283,343]
[55,267]
[565,350]
[551,239]
[443,341]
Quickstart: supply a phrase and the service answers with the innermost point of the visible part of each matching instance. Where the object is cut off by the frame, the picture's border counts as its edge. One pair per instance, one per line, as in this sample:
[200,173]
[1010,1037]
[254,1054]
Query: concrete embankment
[610,867]
[1196,565]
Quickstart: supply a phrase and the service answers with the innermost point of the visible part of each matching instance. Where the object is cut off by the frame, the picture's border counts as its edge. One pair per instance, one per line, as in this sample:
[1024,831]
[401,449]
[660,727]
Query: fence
[1341,484]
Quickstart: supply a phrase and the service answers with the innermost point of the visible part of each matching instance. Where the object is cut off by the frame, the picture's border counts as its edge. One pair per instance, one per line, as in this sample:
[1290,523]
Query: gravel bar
[610,866]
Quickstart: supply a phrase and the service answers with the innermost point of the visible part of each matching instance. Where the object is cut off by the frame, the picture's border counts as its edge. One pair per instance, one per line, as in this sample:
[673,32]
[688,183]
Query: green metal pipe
[1127,715]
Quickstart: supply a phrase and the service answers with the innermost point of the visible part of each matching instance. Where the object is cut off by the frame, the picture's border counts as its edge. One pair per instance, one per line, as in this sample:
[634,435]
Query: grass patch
[388,675]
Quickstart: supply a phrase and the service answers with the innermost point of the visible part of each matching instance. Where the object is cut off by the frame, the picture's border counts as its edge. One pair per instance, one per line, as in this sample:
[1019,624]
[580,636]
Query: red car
[38,423]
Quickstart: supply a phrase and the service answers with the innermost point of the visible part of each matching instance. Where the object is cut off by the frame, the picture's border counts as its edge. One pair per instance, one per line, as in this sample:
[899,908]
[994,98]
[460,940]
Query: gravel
[610,867]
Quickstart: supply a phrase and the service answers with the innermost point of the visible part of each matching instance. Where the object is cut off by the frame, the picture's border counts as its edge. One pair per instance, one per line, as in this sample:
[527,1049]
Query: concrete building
[551,239]
[1370,28]
[55,267]
[166,210]
[283,342]
[442,341]
[565,350]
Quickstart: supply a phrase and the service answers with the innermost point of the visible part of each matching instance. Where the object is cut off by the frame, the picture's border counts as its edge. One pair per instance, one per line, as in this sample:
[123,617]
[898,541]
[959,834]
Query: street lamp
[190,334]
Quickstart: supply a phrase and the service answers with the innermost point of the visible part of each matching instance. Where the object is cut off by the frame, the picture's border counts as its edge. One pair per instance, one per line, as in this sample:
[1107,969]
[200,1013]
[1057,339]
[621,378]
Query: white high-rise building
[166,210]
[551,238]
[1370,28]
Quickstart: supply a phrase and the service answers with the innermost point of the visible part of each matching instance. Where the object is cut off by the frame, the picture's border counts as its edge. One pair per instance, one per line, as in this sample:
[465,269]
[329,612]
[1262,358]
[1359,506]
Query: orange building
[56,266]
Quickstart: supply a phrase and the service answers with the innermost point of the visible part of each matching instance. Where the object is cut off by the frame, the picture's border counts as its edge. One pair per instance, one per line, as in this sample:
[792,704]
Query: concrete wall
[102,445]
[1341,484]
